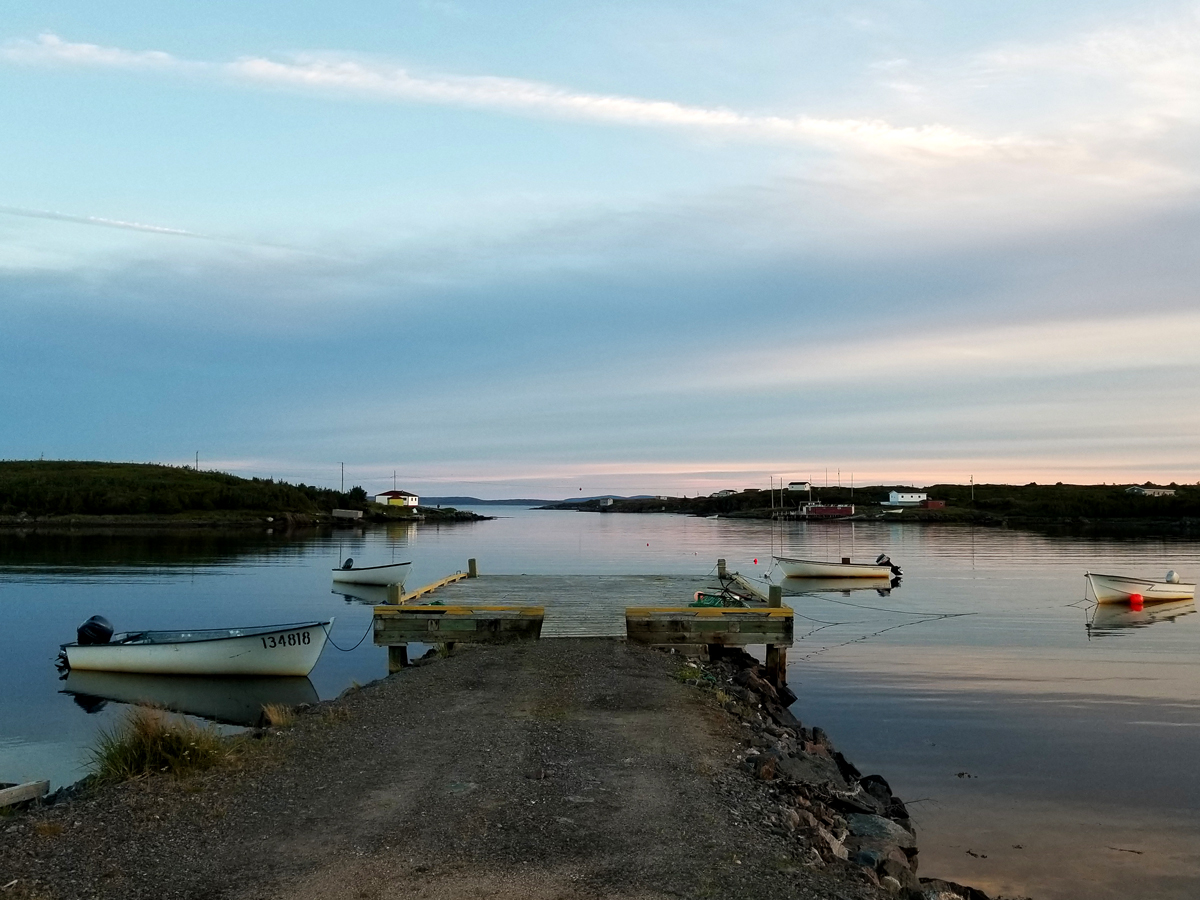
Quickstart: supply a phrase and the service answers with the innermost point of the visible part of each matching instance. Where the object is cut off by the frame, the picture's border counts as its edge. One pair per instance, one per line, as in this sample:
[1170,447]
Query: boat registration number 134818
[291,639]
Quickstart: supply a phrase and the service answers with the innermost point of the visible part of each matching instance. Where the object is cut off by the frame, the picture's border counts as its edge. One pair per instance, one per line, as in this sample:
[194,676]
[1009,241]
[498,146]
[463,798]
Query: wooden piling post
[776,654]
[720,568]
[777,664]
[395,593]
[775,596]
[472,569]
[397,658]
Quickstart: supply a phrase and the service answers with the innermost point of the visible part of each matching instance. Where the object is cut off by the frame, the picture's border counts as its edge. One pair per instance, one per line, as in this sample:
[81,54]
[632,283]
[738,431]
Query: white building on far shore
[906,498]
[398,498]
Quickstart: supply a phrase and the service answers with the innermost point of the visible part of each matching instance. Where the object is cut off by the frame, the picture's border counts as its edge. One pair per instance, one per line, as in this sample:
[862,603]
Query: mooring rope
[329,637]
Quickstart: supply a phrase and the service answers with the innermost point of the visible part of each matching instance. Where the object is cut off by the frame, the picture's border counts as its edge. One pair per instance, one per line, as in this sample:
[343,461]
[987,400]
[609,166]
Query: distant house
[723,494]
[906,498]
[397,498]
[1150,491]
[606,501]
[799,485]
[933,504]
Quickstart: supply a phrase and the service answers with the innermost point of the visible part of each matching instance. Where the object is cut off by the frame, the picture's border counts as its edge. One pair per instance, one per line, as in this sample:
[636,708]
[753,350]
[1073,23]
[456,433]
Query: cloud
[51,49]
[1029,350]
[327,73]
[102,222]
[106,223]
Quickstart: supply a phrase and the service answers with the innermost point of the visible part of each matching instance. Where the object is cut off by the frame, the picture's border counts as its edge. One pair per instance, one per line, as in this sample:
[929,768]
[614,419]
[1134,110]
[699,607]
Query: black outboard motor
[96,630]
[349,563]
[884,560]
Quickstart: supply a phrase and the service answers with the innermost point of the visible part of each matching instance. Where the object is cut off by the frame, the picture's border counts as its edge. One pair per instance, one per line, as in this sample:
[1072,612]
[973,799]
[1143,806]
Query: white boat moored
[1119,588]
[261,650]
[812,568]
[393,573]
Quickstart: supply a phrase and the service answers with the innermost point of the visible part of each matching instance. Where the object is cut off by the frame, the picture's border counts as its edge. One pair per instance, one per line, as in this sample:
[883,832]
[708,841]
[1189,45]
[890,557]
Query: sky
[533,249]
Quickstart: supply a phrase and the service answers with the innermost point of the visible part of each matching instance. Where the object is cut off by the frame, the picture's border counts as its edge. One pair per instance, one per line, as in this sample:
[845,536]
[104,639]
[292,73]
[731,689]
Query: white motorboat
[1119,588]
[259,650]
[812,568]
[393,573]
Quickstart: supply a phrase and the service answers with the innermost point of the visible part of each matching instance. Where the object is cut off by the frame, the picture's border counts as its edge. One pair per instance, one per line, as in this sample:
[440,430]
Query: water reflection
[370,594]
[231,701]
[1113,619]
[798,586]
[49,555]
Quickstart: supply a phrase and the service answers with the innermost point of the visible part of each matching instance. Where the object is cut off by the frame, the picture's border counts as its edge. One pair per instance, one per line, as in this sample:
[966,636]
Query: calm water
[1039,756]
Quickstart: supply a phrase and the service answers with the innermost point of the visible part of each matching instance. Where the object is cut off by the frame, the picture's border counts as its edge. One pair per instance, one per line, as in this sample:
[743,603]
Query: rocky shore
[555,769]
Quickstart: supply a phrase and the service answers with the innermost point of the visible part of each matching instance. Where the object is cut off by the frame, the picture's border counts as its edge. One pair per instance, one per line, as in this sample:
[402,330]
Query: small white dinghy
[1119,588]
[812,568]
[393,573]
[261,650]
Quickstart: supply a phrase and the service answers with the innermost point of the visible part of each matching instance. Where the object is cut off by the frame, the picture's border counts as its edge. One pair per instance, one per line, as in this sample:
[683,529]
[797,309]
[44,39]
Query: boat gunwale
[369,568]
[252,631]
[1131,580]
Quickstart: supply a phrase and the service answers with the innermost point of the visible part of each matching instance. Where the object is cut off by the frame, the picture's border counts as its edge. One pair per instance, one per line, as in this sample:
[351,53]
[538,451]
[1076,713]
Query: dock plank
[21,792]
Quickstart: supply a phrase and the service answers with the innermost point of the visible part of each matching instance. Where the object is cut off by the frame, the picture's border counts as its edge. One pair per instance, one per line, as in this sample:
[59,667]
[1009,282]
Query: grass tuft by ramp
[150,741]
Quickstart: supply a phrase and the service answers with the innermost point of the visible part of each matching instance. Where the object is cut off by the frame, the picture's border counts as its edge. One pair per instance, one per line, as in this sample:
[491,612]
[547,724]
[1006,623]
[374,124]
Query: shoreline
[530,760]
[1184,525]
[251,521]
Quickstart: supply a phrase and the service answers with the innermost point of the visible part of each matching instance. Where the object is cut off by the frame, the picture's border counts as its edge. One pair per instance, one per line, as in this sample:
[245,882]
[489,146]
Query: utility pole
[393,479]
[343,465]
[197,460]
[972,489]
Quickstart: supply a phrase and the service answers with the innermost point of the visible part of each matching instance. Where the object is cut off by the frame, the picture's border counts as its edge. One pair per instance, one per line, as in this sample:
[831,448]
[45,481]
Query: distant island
[52,492]
[1165,509]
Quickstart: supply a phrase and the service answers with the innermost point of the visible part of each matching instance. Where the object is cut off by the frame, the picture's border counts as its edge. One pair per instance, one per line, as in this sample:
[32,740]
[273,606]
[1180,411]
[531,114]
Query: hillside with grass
[40,488]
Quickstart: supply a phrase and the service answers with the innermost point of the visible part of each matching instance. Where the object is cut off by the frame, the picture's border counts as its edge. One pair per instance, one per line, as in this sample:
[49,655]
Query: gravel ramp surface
[554,769]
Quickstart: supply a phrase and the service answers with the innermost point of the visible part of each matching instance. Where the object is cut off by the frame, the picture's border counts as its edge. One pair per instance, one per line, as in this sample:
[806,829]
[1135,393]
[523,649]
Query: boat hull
[395,573]
[1118,588]
[811,568]
[284,650]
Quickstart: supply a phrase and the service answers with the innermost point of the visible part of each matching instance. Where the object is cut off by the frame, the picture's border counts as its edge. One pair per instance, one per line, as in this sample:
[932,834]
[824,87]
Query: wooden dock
[651,609]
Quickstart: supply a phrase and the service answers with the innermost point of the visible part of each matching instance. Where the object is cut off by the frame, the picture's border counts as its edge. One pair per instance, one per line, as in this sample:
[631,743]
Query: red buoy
[756,562]
[1136,602]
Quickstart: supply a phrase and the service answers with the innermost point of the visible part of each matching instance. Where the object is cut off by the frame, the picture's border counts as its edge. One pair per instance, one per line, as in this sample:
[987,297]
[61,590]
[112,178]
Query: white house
[725,493]
[1151,491]
[799,485]
[397,498]
[606,501]
[906,498]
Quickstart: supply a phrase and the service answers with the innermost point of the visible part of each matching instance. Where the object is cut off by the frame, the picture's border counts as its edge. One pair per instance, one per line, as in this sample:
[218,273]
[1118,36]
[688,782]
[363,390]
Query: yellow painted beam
[707,612]
[430,588]
[426,610]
